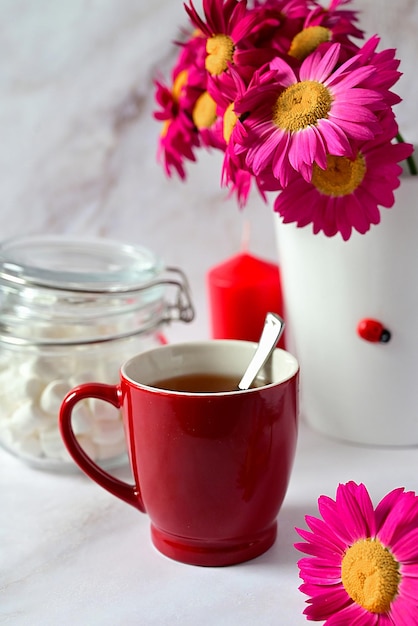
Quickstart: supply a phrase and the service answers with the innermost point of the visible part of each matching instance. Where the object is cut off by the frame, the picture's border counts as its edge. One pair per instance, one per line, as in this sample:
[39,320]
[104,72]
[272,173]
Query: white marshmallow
[88,446]
[81,377]
[53,395]
[27,419]
[52,445]
[110,451]
[11,383]
[81,419]
[103,411]
[46,368]
[32,388]
[28,446]
[106,432]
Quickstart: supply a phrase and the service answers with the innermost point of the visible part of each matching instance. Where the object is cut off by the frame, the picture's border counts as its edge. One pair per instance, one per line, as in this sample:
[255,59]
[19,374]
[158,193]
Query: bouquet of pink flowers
[296,106]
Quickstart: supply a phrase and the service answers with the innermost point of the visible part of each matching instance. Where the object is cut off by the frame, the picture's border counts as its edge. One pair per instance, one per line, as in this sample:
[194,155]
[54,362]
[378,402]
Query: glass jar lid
[62,290]
[93,265]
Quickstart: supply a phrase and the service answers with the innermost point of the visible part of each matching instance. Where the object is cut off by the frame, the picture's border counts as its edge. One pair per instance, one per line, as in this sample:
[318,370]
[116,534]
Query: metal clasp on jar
[182,308]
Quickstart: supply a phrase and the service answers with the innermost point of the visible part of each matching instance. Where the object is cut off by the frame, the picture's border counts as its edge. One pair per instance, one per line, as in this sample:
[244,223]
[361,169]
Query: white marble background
[78,155]
[78,141]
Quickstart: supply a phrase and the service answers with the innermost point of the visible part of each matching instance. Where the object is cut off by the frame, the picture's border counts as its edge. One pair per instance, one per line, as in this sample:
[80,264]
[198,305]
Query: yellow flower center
[305,42]
[370,575]
[301,105]
[179,83]
[341,177]
[204,111]
[165,128]
[230,119]
[220,51]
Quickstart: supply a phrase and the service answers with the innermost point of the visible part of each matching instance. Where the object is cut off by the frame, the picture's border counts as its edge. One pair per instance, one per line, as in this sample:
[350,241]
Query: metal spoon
[273,328]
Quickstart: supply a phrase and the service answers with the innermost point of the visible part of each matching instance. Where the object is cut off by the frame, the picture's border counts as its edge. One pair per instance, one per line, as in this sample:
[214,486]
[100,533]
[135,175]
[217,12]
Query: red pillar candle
[241,291]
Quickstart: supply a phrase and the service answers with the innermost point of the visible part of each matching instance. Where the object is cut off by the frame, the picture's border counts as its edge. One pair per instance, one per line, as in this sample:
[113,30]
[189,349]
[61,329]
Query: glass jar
[73,311]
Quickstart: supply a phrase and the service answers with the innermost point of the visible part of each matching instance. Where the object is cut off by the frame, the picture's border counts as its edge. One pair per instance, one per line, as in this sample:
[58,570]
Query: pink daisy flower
[178,136]
[187,110]
[341,21]
[227,27]
[278,22]
[234,174]
[326,26]
[347,193]
[289,8]
[294,118]
[362,567]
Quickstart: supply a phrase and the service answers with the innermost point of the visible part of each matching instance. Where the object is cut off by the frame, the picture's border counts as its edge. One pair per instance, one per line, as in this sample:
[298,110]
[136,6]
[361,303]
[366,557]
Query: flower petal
[324,605]
[353,615]
[402,516]
[315,67]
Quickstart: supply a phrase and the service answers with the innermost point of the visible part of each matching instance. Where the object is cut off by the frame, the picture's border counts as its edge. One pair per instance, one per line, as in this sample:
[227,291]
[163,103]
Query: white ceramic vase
[353,389]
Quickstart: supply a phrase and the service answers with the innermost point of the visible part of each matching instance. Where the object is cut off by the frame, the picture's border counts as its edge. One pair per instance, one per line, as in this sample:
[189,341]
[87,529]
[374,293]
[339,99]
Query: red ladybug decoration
[373,331]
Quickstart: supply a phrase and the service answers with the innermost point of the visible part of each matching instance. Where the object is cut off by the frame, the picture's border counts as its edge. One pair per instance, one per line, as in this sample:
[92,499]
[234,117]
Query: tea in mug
[204,383]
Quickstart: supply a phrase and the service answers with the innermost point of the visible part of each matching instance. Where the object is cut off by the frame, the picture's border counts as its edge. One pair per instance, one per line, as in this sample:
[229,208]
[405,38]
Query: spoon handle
[273,328]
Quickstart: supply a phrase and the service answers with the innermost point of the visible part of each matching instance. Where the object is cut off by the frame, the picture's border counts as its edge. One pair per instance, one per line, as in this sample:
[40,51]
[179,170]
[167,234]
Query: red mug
[210,469]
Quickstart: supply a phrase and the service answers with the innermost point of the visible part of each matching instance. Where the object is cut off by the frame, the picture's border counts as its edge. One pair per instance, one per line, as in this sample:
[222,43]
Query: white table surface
[71,553]
[78,156]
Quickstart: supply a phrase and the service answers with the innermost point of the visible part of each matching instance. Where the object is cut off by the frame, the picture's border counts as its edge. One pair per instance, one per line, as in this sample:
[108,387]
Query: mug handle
[112,394]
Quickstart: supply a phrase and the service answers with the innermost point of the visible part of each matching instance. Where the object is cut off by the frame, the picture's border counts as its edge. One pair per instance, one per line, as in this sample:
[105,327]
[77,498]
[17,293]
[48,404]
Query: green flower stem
[410,160]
